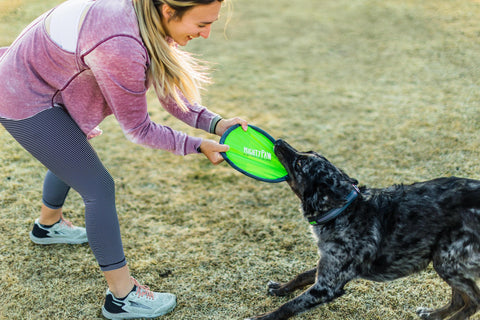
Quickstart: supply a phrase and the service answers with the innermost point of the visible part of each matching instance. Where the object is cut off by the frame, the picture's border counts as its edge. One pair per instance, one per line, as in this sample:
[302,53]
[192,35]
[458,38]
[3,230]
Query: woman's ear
[167,12]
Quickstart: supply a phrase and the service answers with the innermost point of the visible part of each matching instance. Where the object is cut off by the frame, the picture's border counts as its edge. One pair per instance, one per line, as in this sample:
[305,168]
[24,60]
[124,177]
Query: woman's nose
[205,33]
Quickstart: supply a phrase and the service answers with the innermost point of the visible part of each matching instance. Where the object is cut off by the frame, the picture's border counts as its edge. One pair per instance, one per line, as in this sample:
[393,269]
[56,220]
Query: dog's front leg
[334,270]
[316,295]
[302,280]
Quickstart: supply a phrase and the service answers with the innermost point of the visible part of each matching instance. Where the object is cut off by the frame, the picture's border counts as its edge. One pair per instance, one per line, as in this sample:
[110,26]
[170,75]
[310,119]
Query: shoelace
[64,221]
[142,290]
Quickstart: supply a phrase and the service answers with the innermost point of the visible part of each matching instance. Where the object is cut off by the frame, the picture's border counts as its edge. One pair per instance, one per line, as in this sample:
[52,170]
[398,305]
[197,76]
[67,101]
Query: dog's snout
[282,146]
[284,152]
[279,142]
[279,147]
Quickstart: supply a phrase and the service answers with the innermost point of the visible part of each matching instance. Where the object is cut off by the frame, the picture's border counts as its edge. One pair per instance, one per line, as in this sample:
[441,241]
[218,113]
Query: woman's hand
[224,124]
[211,149]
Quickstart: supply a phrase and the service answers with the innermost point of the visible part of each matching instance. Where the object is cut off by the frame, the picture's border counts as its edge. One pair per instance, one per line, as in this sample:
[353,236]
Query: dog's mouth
[285,153]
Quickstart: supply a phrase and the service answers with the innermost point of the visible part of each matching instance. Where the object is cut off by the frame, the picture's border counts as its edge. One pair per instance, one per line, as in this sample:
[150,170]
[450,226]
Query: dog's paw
[426,314]
[273,288]
[273,285]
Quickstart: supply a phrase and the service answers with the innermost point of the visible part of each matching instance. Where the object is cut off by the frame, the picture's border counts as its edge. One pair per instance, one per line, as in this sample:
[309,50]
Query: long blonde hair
[171,69]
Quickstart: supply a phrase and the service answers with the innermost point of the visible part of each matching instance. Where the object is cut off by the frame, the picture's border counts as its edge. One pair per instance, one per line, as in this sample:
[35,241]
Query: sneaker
[61,232]
[139,303]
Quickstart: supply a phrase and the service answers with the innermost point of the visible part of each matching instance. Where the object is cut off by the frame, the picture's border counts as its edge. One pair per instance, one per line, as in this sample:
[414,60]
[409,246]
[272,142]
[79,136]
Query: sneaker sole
[115,316]
[54,241]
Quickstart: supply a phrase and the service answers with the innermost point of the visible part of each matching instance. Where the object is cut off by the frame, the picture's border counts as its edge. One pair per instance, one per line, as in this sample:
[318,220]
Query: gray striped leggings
[55,140]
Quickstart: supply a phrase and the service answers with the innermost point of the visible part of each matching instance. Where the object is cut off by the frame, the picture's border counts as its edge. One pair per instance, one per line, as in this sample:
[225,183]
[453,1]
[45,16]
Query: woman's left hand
[224,124]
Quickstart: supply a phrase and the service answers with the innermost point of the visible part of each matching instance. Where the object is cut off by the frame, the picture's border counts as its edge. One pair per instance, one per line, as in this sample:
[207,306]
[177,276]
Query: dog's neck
[333,213]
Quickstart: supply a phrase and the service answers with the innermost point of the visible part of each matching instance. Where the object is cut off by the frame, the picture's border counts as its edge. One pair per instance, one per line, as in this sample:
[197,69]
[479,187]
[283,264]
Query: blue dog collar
[332,214]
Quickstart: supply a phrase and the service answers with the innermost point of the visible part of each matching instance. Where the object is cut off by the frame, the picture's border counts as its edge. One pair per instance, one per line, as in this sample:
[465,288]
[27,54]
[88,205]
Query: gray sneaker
[139,303]
[61,232]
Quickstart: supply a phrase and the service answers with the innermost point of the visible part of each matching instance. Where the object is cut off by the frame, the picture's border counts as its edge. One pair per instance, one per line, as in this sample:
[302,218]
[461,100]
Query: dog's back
[417,223]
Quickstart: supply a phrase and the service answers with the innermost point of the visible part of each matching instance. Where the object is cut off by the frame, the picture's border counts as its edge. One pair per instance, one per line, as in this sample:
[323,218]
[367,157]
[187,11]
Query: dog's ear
[338,191]
[327,193]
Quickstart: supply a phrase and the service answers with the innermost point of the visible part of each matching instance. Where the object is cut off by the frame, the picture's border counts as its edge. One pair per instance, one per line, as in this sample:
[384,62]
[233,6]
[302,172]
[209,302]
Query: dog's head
[319,184]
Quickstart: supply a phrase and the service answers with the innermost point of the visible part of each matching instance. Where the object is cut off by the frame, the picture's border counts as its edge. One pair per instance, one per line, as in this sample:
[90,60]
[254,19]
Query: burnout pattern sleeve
[2,51]
[119,66]
[196,116]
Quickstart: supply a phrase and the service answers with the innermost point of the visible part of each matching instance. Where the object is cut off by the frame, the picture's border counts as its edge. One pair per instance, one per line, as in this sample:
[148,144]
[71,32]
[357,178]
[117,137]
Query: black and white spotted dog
[382,234]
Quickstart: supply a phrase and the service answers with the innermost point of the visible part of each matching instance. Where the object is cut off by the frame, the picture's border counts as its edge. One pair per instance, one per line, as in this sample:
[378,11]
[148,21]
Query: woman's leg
[51,227]
[49,216]
[55,192]
[119,281]
[55,140]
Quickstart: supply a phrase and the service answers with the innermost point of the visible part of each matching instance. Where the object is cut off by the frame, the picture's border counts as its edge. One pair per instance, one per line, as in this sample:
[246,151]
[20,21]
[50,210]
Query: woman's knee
[101,186]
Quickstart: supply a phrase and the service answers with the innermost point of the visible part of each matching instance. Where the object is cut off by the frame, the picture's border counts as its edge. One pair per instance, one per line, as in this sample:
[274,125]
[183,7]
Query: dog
[382,235]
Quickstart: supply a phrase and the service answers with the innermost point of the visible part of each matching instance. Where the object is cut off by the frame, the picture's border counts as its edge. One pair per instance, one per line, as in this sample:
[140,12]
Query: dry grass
[388,90]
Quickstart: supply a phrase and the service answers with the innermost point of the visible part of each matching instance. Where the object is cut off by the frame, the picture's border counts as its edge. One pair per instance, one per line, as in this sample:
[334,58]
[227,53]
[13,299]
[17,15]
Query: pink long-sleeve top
[107,74]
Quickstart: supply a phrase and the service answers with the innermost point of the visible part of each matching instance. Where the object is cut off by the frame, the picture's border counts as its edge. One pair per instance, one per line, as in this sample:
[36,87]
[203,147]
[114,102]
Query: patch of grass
[387,90]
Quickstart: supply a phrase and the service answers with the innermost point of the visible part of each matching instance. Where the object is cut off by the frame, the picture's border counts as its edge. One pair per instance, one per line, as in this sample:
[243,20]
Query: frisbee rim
[225,156]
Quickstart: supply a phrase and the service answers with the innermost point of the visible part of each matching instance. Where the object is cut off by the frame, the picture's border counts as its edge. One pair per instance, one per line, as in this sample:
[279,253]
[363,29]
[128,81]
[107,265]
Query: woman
[65,73]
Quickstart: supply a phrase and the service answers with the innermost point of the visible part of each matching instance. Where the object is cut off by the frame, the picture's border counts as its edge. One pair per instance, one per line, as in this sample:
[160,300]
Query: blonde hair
[171,70]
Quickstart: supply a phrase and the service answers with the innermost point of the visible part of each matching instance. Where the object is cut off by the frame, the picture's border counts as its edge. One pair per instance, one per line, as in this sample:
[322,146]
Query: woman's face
[194,23]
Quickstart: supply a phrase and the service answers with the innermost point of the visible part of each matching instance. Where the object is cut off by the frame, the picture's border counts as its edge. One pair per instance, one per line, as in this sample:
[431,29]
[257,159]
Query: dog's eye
[299,163]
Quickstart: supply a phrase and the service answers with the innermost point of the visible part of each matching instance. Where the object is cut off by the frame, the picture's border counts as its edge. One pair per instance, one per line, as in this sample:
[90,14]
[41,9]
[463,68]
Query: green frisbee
[251,153]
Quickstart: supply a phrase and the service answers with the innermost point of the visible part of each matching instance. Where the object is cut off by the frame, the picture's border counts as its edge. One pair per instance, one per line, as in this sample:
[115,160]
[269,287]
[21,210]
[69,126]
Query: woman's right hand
[211,149]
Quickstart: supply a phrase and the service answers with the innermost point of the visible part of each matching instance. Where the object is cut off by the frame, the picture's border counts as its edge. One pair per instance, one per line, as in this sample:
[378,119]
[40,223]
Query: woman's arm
[196,115]
[119,66]
[2,51]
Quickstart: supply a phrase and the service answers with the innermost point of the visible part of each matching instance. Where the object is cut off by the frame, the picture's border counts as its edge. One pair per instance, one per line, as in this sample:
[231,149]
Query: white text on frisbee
[262,154]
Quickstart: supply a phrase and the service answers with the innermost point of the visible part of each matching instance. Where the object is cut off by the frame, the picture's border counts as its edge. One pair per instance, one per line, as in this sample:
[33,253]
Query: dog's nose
[278,144]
